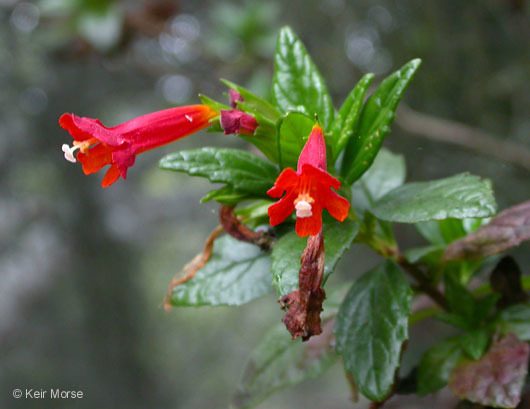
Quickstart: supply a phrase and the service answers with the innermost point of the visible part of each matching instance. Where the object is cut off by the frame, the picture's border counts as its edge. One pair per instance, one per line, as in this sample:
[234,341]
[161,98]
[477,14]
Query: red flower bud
[238,122]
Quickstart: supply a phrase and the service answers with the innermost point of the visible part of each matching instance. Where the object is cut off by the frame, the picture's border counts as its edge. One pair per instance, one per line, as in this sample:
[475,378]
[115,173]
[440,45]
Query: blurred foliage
[83,271]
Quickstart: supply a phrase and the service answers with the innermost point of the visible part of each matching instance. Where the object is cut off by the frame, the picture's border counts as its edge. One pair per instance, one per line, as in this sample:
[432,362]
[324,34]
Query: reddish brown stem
[237,229]
[423,283]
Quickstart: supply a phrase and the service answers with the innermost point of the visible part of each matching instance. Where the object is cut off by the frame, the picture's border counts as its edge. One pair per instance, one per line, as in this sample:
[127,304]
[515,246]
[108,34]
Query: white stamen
[303,209]
[189,118]
[69,152]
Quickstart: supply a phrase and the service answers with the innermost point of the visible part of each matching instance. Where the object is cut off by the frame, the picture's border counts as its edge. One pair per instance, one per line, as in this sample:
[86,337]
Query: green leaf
[346,122]
[236,273]
[225,195]
[294,129]
[278,361]
[515,319]
[386,174]
[460,196]
[371,327]
[475,342]
[455,320]
[460,300]
[374,123]
[466,311]
[484,305]
[242,170]
[265,137]
[215,105]
[441,231]
[254,211]
[427,254]
[297,85]
[436,365]
[252,103]
[288,250]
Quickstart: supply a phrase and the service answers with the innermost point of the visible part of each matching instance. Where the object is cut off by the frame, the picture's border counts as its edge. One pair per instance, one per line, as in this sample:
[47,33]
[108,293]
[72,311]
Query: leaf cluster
[371,323]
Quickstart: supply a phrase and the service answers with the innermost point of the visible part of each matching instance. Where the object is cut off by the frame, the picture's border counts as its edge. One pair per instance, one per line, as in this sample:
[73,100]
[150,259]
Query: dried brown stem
[237,229]
[190,269]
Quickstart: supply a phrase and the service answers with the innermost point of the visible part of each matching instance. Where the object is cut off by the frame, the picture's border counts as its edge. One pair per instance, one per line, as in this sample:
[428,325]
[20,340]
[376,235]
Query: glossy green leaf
[475,342]
[347,120]
[443,232]
[288,250]
[426,254]
[215,105]
[371,327]
[460,300]
[255,215]
[374,123]
[254,211]
[515,319]
[484,306]
[294,129]
[387,173]
[436,365]
[236,273]
[278,362]
[455,320]
[226,195]
[460,196]
[297,85]
[265,136]
[242,170]
[252,103]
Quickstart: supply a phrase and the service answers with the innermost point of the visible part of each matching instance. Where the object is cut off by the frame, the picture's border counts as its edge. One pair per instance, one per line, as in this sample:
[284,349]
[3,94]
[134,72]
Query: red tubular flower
[308,190]
[118,146]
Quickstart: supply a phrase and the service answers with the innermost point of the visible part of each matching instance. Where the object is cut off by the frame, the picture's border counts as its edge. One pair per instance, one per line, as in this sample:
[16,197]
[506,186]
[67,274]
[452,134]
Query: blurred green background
[83,270]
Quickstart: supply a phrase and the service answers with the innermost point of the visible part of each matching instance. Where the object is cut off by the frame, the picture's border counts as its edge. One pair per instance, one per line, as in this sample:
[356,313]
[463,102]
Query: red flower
[118,146]
[308,190]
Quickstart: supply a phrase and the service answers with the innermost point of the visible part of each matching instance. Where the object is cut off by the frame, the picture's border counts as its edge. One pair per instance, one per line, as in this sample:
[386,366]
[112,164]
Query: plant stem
[423,283]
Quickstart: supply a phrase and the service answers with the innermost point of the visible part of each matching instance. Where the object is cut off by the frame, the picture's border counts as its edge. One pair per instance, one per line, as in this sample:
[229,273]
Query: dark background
[83,270]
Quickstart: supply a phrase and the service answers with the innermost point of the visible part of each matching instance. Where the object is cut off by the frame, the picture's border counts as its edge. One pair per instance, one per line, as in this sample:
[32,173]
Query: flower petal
[83,129]
[310,226]
[111,176]
[280,210]
[95,158]
[287,180]
[319,176]
[314,151]
[337,206]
